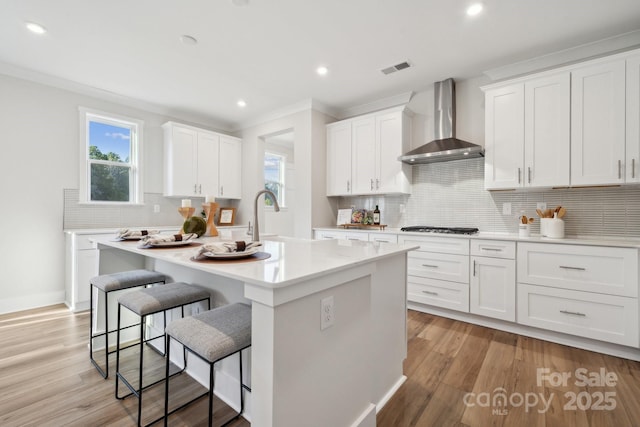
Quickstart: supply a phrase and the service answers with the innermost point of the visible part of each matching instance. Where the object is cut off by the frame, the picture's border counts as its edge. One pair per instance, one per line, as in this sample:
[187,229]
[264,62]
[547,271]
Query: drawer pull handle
[382,240]
[474,268]
[573,313]
[430,265]
[352,238]
[566,267]
[491,249]
[430,293]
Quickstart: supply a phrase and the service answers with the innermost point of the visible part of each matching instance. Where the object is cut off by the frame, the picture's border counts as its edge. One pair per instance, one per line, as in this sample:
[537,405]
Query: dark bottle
[376,216]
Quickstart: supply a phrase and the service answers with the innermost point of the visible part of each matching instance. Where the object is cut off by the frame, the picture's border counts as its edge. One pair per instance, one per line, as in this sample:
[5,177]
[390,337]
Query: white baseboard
[10,305]
[367,418]
[389,394]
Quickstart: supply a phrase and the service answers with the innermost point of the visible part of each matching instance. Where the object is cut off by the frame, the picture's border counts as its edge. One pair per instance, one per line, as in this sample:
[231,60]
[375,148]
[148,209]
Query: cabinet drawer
[451,295]
[493,248]
[453,268]
[607,270]
[445,245]
[601,317]
[383,237]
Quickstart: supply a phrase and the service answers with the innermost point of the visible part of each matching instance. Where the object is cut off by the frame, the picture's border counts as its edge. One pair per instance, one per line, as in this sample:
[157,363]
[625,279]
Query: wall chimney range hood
[446,147]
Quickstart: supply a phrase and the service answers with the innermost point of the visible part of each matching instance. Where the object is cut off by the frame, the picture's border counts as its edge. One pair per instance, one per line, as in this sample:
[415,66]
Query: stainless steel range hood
[446,146]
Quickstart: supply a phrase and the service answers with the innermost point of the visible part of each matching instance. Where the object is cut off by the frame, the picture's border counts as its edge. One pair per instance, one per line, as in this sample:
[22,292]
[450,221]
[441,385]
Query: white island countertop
[292,260]
[335,369]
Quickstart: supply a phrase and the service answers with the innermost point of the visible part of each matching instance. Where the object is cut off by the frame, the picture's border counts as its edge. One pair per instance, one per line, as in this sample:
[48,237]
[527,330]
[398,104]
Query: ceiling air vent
[397,67]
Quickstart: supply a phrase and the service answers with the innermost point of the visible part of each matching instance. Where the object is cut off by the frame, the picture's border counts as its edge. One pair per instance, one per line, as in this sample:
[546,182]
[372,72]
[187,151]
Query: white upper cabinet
[547,131]
[598,124]
[199,163]
[632,169]
[339,158]
[230,161]
[362,154]
[363,151]
[504,137]
[392,141]
[527,134]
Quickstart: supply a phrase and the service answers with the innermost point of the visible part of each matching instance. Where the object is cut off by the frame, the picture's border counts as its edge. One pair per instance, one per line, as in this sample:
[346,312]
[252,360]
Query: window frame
[282,199]
[136,128]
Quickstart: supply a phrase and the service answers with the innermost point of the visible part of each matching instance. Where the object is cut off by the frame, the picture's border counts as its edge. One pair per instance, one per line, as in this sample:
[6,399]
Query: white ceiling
[266,52]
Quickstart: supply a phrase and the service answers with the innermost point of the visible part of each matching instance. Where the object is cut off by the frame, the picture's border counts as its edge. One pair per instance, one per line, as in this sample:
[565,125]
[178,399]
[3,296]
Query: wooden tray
[364,226]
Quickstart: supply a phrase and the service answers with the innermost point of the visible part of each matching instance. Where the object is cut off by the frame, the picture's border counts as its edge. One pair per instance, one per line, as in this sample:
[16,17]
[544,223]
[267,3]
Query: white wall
[311,205]
[39,126]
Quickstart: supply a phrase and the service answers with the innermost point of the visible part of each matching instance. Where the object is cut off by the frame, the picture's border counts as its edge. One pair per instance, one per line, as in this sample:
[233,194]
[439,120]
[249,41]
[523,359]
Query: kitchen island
[301,371]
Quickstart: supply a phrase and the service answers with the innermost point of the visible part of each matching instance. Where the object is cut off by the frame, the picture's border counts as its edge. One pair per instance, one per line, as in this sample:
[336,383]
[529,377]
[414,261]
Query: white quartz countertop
[613,241]
[292,260]
[161,228]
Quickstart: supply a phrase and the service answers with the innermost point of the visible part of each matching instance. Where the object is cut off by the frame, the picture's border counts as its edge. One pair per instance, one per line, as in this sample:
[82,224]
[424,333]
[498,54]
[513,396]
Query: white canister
[524,230]
[543,226]
[555,228]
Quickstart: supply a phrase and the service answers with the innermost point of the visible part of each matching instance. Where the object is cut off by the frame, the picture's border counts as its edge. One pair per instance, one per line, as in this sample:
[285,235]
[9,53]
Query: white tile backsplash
[452,194]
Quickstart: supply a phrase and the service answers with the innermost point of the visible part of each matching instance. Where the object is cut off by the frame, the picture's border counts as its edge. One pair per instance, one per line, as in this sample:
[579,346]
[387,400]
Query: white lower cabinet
[602,317]
[492,285]
[438,272]
[588,291]
[82,263]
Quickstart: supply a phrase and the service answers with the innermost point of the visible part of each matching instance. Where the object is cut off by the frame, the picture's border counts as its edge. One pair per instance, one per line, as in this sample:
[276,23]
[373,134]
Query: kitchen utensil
[562,212]
[531,220]
[540,213]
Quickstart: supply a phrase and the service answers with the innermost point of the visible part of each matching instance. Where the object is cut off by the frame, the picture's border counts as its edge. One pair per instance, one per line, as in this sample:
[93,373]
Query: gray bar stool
[212,336]
[108,283]
[146,302]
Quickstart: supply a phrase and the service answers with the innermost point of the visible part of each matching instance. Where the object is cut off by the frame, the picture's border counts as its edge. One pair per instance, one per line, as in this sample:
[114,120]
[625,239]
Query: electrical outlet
[541,205]
[156,208]
[326,313]
[506,208]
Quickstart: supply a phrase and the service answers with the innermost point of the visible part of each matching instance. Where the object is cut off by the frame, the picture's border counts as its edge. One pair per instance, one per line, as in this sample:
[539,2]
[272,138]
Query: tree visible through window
[274,172]
[111,148]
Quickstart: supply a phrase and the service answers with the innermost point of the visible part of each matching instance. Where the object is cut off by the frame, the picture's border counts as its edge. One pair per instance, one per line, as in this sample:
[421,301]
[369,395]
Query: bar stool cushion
[216,333]
[126,279]
[160,298]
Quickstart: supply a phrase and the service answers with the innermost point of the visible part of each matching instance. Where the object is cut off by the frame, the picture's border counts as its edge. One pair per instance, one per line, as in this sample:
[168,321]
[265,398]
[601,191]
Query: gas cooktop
[444,230]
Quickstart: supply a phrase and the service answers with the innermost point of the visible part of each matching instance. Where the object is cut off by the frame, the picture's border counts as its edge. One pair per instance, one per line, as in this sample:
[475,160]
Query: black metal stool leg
[118,352]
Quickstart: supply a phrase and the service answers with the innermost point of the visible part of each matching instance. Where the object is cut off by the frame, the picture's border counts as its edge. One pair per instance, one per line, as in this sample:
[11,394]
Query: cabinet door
[392,174]
[546,136]
[339,159]
[181,162]
[598,124]
[492,288]
[230,172]
[363,146]
[208,159]
[504,132]
[632,169]
[87,266]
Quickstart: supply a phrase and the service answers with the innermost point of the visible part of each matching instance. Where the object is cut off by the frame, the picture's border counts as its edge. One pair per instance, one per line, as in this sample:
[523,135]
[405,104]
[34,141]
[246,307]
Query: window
[110,148]
[274,172]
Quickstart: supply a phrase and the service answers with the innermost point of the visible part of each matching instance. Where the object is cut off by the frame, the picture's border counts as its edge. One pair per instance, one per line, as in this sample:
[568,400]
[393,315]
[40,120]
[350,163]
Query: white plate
[231,255]
[166,244]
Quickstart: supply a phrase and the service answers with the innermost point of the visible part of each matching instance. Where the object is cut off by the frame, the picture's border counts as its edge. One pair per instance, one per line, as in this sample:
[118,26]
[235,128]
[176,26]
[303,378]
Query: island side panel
[389,318]
[303,375]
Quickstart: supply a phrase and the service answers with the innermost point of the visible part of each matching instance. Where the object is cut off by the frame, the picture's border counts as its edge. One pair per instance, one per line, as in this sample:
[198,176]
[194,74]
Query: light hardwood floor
[46,379]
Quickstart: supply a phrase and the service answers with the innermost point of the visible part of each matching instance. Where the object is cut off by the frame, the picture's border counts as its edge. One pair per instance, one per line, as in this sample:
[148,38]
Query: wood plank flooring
[450,363]
[46,379]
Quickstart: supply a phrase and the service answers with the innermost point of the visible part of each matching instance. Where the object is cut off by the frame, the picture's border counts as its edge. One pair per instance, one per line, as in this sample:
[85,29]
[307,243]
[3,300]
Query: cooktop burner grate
[443,230]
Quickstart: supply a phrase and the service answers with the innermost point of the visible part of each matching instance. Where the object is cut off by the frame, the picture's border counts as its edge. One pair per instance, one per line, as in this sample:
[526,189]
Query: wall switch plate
[156,208]
[326,313]
[541,205]
[506,208]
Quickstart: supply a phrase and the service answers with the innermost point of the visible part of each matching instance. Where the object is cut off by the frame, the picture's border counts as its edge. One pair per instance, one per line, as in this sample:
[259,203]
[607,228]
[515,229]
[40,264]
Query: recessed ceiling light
[240,3]
[474,9]
[188,40]
[35,28]
[241,103]
[322,70]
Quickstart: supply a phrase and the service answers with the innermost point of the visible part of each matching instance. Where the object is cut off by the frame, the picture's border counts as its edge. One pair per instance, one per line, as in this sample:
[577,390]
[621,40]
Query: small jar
[524,230]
